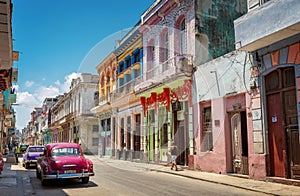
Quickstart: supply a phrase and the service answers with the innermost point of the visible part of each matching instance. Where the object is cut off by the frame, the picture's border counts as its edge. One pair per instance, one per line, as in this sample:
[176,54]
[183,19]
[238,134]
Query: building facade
[126,106]
[273,42]
[71,118]
[7,118]
[220,91]
[107,71]
[165,90]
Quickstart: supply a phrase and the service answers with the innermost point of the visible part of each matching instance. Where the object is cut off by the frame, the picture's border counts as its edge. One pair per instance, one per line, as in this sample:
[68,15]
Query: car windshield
[65,152]
[36,149]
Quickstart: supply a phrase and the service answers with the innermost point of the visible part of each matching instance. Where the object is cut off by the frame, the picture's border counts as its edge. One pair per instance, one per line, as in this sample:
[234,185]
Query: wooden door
[239,143]
[291,118]
[236,142]
[277,148]
[137,137]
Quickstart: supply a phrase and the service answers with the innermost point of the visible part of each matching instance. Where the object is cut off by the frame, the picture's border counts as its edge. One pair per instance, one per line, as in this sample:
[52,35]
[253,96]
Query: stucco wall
[215,160]
[229,74]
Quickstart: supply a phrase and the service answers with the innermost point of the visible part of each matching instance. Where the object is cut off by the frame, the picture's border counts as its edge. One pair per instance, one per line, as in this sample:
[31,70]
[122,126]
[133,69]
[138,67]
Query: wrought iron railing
[125,88]
[179,64]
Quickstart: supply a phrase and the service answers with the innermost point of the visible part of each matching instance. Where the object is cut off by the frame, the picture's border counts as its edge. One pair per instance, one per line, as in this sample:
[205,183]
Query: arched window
[166,46]
[164,49]
[150,54]
[182,37]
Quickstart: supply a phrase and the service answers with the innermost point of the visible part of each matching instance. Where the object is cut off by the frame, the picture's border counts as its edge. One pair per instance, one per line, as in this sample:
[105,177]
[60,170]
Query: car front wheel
[85,180]
[44,181]
[38,173]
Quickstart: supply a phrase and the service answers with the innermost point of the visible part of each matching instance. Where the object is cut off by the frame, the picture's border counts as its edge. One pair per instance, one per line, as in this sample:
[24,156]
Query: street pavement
[11,184]
[229,180]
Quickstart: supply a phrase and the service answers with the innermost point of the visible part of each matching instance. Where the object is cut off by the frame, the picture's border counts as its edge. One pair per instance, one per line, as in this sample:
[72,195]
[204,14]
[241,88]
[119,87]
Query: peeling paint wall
[215,27]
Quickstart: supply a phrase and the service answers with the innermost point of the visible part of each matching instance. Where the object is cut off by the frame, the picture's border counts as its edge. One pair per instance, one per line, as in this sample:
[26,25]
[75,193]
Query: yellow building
[126,116]
[107,70]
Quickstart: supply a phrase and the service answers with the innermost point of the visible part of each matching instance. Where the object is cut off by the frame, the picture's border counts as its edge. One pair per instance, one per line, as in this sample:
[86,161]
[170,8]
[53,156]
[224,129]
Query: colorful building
[107,71]
[165,90]
[270,33]
[126,115]
[220,91]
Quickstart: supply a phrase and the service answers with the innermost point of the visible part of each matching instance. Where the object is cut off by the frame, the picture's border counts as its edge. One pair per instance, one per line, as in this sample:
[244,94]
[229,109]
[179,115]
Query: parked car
[31,154]
[23,147]
[63,160]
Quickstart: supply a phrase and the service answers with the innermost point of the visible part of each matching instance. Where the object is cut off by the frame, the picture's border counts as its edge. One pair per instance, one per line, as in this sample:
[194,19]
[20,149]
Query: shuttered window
[207,136]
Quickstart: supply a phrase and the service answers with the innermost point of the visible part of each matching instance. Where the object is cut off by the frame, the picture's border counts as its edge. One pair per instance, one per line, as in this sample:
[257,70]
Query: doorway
[282,119]
[239,138]
[137,137]
[181,138]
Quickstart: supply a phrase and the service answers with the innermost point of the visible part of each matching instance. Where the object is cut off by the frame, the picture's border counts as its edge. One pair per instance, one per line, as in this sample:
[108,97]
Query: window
[137,57]
[272,81]
[65,152]
[150,55]
[95,141]
[207,136]
[127,62]
[96,128]
[151,116]
[182,37]
[164,50]
[36,149]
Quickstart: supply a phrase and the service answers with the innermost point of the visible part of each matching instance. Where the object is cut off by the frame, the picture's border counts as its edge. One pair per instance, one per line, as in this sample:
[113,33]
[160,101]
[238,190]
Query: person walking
[17,152]
[1,163]
[173,156]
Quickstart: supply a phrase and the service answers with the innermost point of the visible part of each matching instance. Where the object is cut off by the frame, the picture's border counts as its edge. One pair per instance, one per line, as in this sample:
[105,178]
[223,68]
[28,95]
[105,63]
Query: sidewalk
[244,183]
[13,180]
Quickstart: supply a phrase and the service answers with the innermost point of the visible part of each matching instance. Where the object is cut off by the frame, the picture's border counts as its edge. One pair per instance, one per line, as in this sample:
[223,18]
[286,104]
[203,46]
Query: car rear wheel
[38,174]
[85,180]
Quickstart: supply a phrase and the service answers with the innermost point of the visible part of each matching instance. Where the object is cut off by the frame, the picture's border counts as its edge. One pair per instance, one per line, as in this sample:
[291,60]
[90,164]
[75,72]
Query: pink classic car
[63,160]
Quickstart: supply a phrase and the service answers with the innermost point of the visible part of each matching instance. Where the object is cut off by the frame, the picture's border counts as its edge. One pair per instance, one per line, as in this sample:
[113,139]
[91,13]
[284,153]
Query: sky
[57,39]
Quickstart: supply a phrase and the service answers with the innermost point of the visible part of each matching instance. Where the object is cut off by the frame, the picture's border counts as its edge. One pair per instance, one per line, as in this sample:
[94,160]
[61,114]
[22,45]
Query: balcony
[180,66]
[267,24]
[104,99]
[125,89]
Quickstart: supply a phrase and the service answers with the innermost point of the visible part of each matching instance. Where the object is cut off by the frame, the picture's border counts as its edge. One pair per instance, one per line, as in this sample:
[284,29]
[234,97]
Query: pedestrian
[173,150]
[1,163]
[17,152]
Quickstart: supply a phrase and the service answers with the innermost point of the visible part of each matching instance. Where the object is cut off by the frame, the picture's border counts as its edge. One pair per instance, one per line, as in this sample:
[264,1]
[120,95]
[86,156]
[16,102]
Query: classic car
[31,154]
[23,147]
[63,161]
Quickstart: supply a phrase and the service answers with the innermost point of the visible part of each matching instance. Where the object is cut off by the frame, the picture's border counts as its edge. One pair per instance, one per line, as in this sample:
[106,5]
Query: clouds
[35,96]
[29,84]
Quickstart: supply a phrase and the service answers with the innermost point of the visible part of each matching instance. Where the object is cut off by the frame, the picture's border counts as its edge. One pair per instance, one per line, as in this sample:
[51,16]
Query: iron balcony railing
[104,99]
[125,88]
[178,65]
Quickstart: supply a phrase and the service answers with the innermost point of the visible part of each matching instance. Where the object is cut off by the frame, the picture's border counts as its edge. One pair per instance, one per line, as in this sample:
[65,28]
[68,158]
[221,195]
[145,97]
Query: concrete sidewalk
[228,180]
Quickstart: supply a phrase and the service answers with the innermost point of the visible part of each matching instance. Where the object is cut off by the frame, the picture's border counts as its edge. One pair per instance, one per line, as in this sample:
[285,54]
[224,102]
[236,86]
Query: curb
[216,182]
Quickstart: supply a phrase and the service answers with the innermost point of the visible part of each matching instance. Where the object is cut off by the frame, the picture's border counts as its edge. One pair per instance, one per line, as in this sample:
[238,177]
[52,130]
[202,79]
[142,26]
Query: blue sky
[55,38]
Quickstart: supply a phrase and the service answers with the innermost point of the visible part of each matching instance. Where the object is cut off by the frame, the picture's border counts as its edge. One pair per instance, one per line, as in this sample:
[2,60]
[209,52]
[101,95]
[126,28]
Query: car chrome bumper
[31,161]
[62,176]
